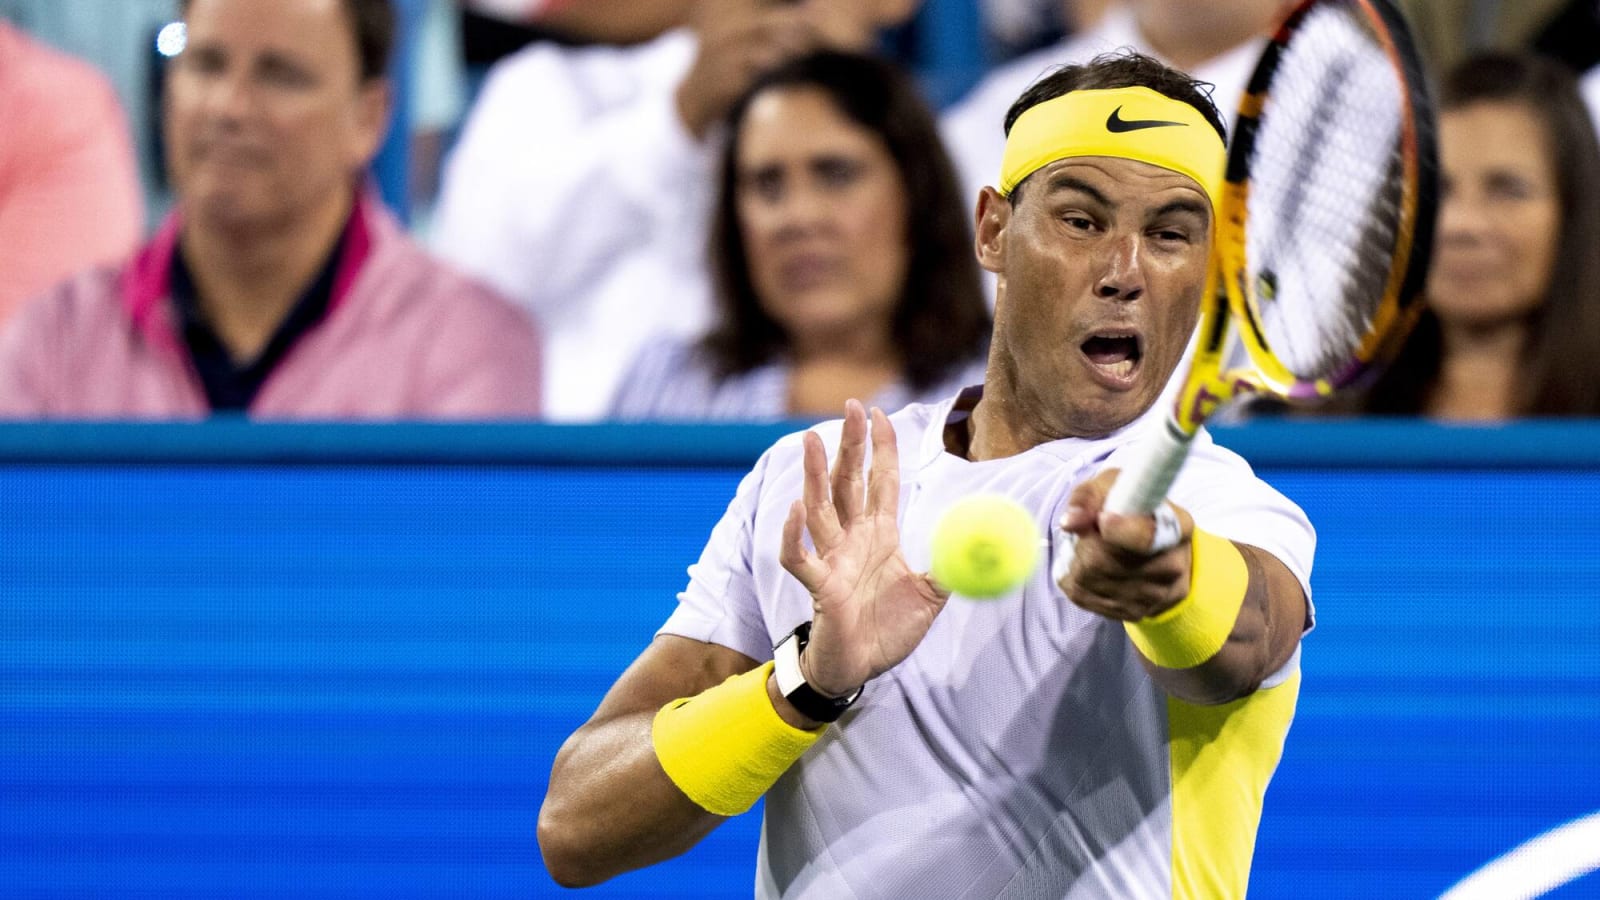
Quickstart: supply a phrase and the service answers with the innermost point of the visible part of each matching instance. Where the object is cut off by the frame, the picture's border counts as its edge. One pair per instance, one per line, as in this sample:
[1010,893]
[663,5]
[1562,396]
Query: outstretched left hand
[870,610]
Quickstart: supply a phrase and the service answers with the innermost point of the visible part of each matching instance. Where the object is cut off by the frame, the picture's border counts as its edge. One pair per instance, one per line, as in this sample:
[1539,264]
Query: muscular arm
[610,808]
[1263,639]
[1113,574]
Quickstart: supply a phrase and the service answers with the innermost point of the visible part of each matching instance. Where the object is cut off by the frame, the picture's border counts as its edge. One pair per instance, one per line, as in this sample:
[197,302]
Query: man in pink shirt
[69,192]
[278,288]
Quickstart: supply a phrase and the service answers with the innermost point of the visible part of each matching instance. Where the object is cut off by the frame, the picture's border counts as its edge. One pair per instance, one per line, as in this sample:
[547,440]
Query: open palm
[870,610]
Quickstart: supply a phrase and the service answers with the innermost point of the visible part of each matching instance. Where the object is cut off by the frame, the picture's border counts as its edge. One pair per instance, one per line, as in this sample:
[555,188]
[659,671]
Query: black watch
[793,686]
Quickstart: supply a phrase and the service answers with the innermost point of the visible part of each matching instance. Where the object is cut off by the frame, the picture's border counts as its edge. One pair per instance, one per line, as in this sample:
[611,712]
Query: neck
[826,373]
[250,276]
[1187,37]
[1001,425]
[1478,373]
[856,345]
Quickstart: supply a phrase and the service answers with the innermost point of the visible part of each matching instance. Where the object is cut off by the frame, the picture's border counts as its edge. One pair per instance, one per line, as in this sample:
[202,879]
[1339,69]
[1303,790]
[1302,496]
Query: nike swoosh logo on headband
[1116,124]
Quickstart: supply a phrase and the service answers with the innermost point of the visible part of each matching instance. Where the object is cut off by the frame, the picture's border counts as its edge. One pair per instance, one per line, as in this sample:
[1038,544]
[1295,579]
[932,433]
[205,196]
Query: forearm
[1263,637]
[611,808]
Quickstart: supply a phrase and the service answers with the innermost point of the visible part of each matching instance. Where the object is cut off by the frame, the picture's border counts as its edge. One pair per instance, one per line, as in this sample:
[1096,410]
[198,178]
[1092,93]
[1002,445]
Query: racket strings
[1327,193]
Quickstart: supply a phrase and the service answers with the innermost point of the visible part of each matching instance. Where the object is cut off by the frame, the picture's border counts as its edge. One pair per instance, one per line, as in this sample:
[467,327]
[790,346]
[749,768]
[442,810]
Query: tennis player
[1108,733]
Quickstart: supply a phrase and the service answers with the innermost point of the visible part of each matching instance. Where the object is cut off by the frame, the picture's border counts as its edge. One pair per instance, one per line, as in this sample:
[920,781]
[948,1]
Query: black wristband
[792,682]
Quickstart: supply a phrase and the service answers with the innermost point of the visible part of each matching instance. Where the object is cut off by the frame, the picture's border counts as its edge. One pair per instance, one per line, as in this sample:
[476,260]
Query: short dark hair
[1561,376]
[373,26]
[1118,69]
[941,320]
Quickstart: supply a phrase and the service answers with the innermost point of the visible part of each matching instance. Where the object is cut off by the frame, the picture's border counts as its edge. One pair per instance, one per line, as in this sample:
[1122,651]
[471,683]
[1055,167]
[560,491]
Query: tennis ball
[984,546]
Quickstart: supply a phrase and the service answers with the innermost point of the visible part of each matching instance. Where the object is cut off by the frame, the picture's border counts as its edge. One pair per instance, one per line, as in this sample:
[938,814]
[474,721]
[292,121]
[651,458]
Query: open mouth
[1115,355]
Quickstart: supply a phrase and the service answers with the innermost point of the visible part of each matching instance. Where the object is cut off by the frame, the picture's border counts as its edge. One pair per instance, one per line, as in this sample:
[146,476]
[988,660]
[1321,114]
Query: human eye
[282,73]
[836,171]
[1509,186]
[203,60]
[765,183]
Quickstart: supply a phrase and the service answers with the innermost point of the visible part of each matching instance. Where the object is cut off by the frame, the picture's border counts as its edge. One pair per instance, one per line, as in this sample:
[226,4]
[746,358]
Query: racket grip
[1153,464]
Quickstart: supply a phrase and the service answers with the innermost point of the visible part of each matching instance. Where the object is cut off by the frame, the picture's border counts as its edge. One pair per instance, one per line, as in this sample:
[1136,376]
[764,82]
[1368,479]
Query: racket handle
[1152,465]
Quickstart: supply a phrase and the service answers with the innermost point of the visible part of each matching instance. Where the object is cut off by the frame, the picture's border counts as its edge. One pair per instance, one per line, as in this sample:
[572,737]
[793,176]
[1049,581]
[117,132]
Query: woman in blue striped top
[841,253]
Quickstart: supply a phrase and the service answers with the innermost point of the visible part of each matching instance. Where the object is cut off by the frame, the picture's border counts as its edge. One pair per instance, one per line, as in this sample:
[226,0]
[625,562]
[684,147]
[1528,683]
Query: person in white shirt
[1108,731]
[581,185]
[1215,41]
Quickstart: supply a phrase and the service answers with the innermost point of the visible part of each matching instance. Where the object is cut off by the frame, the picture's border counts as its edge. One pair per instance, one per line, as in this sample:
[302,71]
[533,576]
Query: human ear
[993,220]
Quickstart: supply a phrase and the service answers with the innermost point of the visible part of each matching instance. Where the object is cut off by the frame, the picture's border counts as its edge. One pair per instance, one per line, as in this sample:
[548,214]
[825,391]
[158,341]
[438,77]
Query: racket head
[1325,229]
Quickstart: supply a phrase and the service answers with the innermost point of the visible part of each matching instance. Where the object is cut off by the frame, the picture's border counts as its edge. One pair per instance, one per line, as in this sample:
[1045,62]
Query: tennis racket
[1325,227]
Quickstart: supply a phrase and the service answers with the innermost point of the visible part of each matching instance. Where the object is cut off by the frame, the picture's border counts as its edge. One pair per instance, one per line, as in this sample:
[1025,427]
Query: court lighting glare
[171,39]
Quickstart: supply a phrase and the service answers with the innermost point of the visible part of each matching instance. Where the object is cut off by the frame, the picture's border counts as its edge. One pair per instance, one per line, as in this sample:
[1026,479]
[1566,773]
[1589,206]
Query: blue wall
[328,660]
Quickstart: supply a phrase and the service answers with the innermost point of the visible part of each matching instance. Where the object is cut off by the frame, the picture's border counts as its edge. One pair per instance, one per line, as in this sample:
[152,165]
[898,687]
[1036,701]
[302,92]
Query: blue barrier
[325,660]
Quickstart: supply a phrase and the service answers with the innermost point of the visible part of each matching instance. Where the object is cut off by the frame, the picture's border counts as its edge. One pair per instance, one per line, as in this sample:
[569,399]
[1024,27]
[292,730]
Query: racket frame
[1230,303]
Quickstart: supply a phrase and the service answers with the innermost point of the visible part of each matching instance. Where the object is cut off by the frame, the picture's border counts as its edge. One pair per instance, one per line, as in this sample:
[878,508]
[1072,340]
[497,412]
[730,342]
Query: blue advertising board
[338,661]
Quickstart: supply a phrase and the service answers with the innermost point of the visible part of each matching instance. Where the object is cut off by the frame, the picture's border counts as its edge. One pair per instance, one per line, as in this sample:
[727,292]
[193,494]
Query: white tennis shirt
[1021,750]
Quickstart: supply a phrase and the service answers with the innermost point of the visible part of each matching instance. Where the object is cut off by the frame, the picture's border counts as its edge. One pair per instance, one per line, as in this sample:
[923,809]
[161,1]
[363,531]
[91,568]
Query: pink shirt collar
[147,280]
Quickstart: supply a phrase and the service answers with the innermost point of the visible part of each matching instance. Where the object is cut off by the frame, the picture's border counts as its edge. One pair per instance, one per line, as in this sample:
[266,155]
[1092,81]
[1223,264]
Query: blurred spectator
[1449,30]
[842,255]
[277,287]
[1217,41]
[581,185]
[69,193]
[1018,26]
[1513,298]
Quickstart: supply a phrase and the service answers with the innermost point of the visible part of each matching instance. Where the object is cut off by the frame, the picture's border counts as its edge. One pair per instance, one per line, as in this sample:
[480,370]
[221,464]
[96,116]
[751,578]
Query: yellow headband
[1130,123]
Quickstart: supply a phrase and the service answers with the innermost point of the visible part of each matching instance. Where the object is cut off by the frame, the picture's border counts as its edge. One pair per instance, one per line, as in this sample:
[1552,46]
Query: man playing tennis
[1107,733]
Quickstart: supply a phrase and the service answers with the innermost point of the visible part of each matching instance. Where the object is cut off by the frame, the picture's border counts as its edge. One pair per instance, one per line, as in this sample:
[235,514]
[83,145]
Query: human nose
[227,96]
[1462,218]
[1122,270]
[802,210]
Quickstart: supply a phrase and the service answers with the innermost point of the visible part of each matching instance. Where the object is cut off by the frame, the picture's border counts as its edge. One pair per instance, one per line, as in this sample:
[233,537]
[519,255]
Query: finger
[1126,601]
[1105,565]
[848,496]
[1158,532]
[796,559]
[883,485]
[821,519]
[1086,501]
[1137,586]
[1091,601]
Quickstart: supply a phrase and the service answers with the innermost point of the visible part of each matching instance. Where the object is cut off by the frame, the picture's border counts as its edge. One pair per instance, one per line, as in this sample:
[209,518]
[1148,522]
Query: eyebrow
[1193,207]
[1064,182]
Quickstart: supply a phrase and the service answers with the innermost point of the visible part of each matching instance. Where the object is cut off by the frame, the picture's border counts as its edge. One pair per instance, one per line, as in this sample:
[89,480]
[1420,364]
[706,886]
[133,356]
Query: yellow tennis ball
[984,546]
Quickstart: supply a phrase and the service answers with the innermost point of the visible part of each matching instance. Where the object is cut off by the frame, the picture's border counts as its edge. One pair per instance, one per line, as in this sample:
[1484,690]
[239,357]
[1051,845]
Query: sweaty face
[1101,262]
[266,114]
[1499,216]
[822,213]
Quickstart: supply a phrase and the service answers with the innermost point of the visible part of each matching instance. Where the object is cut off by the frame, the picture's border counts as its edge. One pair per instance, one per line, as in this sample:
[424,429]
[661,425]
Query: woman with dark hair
[1512,323]
[841,254]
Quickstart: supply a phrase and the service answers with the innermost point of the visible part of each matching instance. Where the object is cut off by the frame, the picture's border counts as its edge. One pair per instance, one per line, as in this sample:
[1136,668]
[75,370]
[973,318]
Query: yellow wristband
[726,746]
[1193,631]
